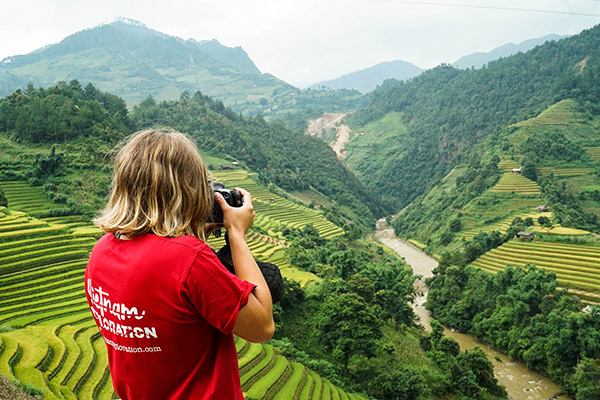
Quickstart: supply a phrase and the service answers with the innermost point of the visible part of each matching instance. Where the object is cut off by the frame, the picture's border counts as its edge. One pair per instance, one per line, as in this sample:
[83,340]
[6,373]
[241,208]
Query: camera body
[231,196]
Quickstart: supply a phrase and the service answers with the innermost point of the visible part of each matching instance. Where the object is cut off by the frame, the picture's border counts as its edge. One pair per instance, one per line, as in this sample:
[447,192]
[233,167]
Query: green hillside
[50,340]
[553,152]
[515,223]
[446,112]
[130,60]
[60,137]
[145,62]
[290,160]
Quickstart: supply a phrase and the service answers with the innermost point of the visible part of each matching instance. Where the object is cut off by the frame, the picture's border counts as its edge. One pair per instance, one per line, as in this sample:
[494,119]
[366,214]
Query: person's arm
[255,320]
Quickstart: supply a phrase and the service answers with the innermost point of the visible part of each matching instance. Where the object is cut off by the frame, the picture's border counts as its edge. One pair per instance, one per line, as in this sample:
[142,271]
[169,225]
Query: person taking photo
[165,305]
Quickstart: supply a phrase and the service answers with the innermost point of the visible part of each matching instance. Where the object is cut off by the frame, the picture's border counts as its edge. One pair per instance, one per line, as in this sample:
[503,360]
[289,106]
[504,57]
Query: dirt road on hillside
[331,121]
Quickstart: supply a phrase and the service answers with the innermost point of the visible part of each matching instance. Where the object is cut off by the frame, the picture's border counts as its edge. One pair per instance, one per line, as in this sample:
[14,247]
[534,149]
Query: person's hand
[237,219]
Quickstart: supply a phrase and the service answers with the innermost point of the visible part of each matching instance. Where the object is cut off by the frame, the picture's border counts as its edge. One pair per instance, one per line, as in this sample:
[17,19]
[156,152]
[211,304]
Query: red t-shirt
[166,308]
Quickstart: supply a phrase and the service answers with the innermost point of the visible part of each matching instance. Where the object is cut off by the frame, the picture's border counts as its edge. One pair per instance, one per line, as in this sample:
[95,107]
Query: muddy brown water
[520,382]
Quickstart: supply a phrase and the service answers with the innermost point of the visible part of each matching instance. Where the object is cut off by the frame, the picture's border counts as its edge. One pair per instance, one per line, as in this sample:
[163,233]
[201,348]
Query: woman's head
[160,185]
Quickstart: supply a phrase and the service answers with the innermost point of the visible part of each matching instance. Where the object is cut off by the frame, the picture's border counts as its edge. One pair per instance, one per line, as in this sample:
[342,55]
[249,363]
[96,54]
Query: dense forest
[86,122]
[520,312]
[448,111]
[357,328]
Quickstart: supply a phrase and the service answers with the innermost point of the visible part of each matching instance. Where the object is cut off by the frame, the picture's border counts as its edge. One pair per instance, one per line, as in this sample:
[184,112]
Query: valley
[520,382]
[60,350]
[490,176]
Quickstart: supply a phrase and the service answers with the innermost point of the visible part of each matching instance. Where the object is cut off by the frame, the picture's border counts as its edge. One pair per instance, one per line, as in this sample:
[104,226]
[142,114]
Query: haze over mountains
[368,79]
[132,61]
[479,59]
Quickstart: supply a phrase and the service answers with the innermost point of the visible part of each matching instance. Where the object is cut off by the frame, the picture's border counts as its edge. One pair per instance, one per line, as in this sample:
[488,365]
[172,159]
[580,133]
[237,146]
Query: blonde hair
[160,185]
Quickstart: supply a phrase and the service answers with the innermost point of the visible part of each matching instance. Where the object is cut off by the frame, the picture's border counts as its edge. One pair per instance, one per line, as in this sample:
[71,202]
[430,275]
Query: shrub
[60,198]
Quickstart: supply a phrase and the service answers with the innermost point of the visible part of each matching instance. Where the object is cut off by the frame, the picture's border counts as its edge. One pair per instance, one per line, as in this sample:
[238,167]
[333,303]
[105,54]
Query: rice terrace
[490,172]
[62,351]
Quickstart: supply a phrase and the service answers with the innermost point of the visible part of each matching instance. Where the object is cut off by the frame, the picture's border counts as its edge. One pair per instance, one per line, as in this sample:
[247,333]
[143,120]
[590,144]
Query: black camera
[231,196]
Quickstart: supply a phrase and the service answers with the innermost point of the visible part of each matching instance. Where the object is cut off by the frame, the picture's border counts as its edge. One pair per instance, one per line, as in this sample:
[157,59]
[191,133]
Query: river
[520,382]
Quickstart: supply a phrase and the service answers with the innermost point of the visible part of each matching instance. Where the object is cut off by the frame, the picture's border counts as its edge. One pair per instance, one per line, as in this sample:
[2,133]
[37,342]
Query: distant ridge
[479,59]
[129,59]
[368,79]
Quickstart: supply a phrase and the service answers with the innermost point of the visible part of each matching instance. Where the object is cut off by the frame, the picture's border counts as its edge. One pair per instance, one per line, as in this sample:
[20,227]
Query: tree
[347,326]
[529,171]
[544,221]
[455,225]
[47,165]
[404,383]
[587,380]
[476,362]
[3,200]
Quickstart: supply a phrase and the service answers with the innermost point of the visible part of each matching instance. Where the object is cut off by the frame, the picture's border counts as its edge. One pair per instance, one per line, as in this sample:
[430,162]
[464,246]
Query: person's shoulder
[187,242]
[104,240]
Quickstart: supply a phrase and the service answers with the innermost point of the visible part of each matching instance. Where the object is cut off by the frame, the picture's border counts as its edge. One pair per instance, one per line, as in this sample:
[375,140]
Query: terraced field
[273,212]
[576,266]
[562,172]
[48,338]
[562,113]
[517,183]
[593,152]
[508,165]
[69,362]
[503,225]
[29,199]
[41,268]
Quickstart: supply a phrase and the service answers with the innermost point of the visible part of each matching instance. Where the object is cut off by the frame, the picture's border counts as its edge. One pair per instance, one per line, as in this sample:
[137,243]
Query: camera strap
[270,271]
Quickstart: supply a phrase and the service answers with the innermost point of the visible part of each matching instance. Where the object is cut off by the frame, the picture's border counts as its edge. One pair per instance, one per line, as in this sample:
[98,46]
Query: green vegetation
[356,327]
[274,212]
[289,160]
[567,190]
[85,123]
[574,265]
[517,183]
[132,61]
[518,311]
[62,113]
[448,112]
[70,362]
[517,308]
[49,339]
[429,219]
[445,142]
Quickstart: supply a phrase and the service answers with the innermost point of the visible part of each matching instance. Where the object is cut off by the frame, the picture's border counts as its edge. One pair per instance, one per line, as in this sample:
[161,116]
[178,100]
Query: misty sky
[306,41]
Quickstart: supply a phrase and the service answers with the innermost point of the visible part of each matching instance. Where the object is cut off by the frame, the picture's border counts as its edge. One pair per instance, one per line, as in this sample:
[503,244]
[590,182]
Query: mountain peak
[368,79]
[128,21]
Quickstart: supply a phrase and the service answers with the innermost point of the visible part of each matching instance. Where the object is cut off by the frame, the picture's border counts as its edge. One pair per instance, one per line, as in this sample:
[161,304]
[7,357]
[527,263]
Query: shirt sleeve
[216,293]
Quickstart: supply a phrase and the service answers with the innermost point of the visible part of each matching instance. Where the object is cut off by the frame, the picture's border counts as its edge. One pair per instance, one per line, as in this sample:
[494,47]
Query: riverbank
[520,382]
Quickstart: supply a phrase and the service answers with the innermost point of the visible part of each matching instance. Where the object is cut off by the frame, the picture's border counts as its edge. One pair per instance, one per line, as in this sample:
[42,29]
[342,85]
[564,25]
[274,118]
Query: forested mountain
[444,112]
[478,60]
[128,59]
[449,130]
[353,325]
[368,79]
[69,114]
